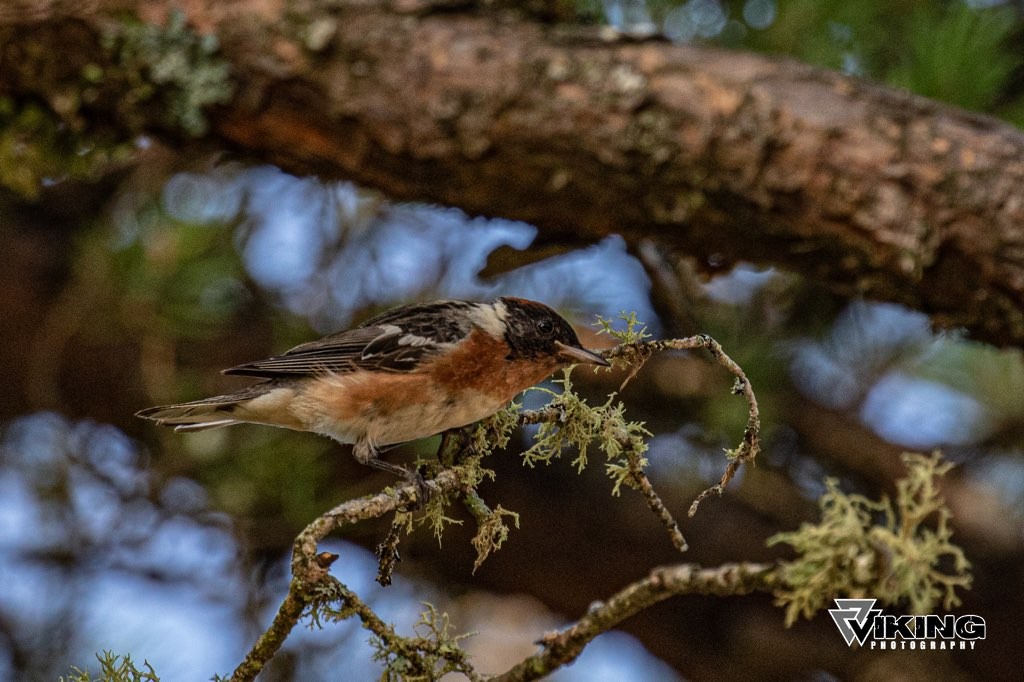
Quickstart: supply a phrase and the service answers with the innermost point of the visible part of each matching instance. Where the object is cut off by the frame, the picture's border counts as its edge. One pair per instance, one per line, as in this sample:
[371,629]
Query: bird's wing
[397,341]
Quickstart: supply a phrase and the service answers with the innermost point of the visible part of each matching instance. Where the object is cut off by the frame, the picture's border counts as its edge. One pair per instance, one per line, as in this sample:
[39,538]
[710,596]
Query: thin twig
[635,354]
[560,648]
[387,551]
[654,501]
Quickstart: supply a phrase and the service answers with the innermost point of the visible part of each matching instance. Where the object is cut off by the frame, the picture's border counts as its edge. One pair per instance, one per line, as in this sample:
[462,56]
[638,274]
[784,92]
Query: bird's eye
[545,326]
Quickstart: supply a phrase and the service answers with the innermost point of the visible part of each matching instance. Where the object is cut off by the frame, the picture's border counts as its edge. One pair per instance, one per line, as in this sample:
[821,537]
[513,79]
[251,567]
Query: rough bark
[725,155]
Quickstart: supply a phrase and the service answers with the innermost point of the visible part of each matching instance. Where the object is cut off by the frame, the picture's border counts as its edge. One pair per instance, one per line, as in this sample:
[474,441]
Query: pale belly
[405,413]
[413,421]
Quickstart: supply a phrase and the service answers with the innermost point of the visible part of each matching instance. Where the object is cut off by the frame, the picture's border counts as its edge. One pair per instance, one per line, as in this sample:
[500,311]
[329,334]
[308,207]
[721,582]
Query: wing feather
[396,341]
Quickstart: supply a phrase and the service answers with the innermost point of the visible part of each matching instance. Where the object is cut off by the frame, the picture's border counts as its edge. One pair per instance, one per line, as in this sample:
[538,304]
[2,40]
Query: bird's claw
[424,491]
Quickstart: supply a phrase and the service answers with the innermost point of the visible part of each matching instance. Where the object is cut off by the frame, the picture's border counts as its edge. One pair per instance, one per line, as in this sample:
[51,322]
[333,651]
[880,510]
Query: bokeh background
[136,290]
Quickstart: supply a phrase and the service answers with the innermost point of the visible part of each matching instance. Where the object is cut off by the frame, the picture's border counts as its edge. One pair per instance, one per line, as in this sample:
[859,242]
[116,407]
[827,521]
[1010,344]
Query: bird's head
[534,330]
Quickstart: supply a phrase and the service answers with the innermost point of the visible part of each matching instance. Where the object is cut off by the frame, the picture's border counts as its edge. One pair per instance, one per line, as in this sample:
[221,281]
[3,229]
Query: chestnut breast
[480,364]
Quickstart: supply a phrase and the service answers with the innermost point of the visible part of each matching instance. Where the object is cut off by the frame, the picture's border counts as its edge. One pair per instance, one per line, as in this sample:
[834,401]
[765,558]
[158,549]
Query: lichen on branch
[145,77]
[172,64]
[884,549]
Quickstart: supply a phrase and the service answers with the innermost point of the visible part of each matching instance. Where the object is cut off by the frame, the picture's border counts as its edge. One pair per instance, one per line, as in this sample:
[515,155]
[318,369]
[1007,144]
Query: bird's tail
[208,413]
[199,415]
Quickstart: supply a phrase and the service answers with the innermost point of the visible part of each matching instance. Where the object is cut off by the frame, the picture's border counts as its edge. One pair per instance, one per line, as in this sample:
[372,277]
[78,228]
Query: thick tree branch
[868,190]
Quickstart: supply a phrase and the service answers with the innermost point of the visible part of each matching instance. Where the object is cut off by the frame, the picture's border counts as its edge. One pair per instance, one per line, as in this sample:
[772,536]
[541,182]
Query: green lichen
[434,516]
[862,548]
[171,64]
[148,75]
[319,33]
[114,668]
[635,330]
[493,433]
[674,207]
[650,132]
[434,652]
[580,425]
[492,531]
[430,653]
[309,24]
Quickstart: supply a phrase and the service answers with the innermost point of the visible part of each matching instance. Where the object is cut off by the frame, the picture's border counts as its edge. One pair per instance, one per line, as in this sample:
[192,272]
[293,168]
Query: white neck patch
[491,318]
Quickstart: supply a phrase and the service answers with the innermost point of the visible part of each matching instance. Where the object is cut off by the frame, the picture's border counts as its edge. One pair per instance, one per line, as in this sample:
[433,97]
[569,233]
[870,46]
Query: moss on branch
[143,77]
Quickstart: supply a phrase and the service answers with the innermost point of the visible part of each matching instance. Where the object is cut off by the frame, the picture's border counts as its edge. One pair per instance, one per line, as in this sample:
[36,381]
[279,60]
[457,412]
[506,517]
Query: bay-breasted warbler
[406,374]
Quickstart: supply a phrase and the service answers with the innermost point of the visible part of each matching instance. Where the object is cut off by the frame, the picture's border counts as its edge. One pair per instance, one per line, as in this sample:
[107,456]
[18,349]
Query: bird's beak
[573,354]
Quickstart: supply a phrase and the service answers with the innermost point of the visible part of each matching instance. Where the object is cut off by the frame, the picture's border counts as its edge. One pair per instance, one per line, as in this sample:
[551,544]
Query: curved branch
[866,189]
[636,354]
[563,647]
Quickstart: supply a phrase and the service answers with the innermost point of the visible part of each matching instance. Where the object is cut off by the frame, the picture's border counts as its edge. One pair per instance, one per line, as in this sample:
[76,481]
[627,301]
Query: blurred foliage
[994,376]
[169,269]
[959,55]
[37,149]
[265,473]
[963,53]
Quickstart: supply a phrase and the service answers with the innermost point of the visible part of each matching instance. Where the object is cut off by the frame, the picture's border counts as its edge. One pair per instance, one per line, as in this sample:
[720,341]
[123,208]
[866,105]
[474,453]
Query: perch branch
[310,569]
